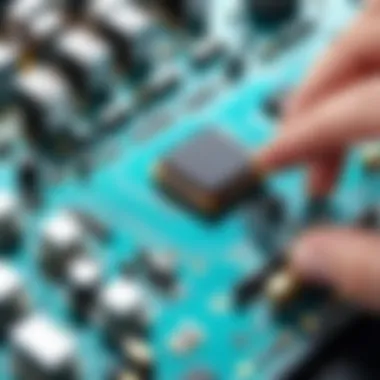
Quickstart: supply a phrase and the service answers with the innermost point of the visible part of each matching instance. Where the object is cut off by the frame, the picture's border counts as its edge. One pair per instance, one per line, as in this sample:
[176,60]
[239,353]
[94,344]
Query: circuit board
[194,330]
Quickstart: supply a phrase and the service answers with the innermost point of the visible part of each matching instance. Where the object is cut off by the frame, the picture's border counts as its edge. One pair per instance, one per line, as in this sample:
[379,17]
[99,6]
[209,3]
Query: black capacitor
[29,180]
[272,12]
[251,287]
[83,282]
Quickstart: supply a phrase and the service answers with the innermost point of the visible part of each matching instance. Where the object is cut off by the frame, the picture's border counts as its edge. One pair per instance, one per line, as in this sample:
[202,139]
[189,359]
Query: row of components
[119,30]
[42,350]
[86,55]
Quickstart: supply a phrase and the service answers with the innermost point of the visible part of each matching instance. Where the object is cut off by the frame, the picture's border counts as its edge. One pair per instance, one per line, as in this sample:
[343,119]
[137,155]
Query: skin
[338,106]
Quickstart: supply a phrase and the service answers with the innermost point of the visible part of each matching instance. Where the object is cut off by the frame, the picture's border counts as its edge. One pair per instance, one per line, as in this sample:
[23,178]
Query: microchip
[210,173]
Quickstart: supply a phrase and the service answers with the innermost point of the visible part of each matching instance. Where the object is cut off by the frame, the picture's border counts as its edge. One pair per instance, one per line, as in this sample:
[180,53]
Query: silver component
[10,219]
[84,272]
[86,59]
[45,28]
[123,309]
[9,55]
[161,269]
[83,282]
[63,238]
[139,354]
[22,12]
[12,296]
[131,31]
[97,8]
[46,100]
[42,351]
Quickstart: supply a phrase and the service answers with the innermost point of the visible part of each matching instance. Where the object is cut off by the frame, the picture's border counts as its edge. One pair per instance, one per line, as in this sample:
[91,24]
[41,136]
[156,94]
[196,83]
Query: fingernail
[309,259]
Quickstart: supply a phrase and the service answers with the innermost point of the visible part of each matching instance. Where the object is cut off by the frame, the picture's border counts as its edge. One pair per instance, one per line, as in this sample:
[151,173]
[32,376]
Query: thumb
[348,260]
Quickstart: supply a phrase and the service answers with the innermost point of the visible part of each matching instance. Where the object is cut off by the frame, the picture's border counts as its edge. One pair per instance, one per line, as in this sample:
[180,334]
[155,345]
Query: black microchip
[210,172]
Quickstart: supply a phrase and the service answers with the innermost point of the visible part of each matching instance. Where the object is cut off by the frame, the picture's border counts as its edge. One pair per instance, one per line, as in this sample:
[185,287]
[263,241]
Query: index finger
[356,54]
[341,120]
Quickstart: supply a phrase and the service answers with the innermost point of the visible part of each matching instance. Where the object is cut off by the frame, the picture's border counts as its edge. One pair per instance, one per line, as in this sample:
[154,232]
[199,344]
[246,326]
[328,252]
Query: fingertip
[309,259]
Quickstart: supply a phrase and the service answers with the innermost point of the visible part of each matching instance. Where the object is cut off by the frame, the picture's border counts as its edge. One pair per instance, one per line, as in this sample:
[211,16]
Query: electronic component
[131,32]
[207,52]
[282,287]
[13,302]
[162,83]
[123,310]
[10,220]
[93,225]
[47,106]
[29,180]
[251,287]
[87,61]
[41,350]
[42,32]
[83,280]
[115,116]
[139,357]
[9,56]
[272,12]
[149,289]
[210,172]
[161,269]
[63,238]
[22,12]
[193,15]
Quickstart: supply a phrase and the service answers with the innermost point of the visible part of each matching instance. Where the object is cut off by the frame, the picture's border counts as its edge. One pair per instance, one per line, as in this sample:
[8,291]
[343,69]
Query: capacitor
[62,240]
[42,350]
[123,310]
[46,104]
[10,220]
[13,298]
[139,357]
[86,60]
[160,269]
[131,31]
[83,281]
[29,181]
[282,287]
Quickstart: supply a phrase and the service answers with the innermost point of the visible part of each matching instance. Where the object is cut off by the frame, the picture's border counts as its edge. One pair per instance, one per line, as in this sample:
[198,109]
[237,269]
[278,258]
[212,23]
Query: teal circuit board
[195,332]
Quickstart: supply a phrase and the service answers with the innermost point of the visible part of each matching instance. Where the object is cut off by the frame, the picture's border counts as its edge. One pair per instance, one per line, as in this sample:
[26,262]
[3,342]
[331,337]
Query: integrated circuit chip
[209,173]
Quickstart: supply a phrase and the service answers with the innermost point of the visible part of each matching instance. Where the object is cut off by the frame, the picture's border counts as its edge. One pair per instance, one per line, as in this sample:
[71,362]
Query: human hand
[338,106]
